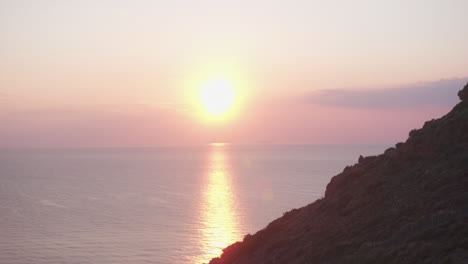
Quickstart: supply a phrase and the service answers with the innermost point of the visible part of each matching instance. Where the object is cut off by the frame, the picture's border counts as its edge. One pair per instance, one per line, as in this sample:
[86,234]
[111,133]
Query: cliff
[407,205]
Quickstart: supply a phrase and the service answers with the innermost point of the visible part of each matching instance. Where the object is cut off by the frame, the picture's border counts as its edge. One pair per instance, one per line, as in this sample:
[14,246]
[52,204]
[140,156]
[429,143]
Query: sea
[154,205]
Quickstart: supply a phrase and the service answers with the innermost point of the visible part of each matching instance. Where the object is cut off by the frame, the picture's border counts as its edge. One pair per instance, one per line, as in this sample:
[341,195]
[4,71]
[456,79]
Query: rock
[361,159]
[390,152]
[463,94]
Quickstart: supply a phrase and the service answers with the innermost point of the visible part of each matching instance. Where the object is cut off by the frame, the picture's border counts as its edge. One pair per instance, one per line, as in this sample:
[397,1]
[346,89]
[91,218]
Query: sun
[217,97]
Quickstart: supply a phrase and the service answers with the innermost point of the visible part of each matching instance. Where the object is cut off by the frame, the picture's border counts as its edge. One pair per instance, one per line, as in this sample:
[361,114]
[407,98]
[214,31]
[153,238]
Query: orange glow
[218,207]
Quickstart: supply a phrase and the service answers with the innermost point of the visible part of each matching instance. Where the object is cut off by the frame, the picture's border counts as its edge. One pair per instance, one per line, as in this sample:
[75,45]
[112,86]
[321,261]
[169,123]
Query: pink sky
[278,120]
[127,73]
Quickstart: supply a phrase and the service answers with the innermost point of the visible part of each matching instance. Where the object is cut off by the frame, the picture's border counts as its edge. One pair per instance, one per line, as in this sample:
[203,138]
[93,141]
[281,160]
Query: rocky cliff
[408,205]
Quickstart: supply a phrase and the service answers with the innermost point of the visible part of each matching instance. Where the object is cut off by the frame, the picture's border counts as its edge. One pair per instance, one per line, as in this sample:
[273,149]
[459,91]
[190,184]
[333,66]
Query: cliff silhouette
[407,205]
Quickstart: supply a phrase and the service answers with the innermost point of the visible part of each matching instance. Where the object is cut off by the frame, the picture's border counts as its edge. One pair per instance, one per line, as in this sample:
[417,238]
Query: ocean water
[156,205]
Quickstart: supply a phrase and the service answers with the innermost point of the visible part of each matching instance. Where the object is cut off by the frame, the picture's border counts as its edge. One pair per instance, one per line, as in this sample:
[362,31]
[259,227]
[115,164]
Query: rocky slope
[408,205]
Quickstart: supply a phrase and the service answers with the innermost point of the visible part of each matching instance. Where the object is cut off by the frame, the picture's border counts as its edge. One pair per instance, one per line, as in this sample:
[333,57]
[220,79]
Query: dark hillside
[408,205]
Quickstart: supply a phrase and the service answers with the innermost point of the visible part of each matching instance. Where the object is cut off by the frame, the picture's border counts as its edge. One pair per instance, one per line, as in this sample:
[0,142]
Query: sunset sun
[217,97]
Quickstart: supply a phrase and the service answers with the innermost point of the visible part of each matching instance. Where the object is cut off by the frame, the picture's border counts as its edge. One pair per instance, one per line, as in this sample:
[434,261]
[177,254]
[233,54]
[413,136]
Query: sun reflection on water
[218,210]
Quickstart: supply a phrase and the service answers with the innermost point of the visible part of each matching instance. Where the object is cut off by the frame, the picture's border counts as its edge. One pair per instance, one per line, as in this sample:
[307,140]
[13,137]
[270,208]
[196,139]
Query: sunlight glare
[217,96]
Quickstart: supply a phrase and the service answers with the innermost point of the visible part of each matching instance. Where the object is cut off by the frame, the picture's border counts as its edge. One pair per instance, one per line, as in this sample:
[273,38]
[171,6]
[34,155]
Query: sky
[129,73]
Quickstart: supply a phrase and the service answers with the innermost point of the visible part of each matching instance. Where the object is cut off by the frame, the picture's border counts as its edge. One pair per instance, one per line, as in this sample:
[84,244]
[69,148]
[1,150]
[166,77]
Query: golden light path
[218,210]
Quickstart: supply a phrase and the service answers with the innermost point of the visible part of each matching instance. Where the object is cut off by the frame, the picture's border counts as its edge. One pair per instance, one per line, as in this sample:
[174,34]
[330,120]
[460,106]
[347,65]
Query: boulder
[463,93]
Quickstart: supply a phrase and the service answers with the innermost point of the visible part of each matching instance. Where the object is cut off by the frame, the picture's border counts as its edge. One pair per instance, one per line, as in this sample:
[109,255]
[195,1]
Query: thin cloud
[438,93]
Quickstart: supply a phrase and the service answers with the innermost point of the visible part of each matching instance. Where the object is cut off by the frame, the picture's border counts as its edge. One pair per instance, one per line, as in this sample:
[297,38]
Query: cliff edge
[408,205]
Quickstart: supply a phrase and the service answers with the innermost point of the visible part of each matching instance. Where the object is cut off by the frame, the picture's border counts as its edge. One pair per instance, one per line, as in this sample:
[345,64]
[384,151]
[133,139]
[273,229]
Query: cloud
[438,93]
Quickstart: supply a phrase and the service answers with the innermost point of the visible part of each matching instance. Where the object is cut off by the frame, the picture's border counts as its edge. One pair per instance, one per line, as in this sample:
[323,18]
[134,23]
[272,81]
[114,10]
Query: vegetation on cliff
[408,205]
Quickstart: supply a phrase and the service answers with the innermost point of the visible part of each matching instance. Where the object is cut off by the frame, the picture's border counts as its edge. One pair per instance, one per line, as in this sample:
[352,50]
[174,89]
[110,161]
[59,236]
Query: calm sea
[158,205]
